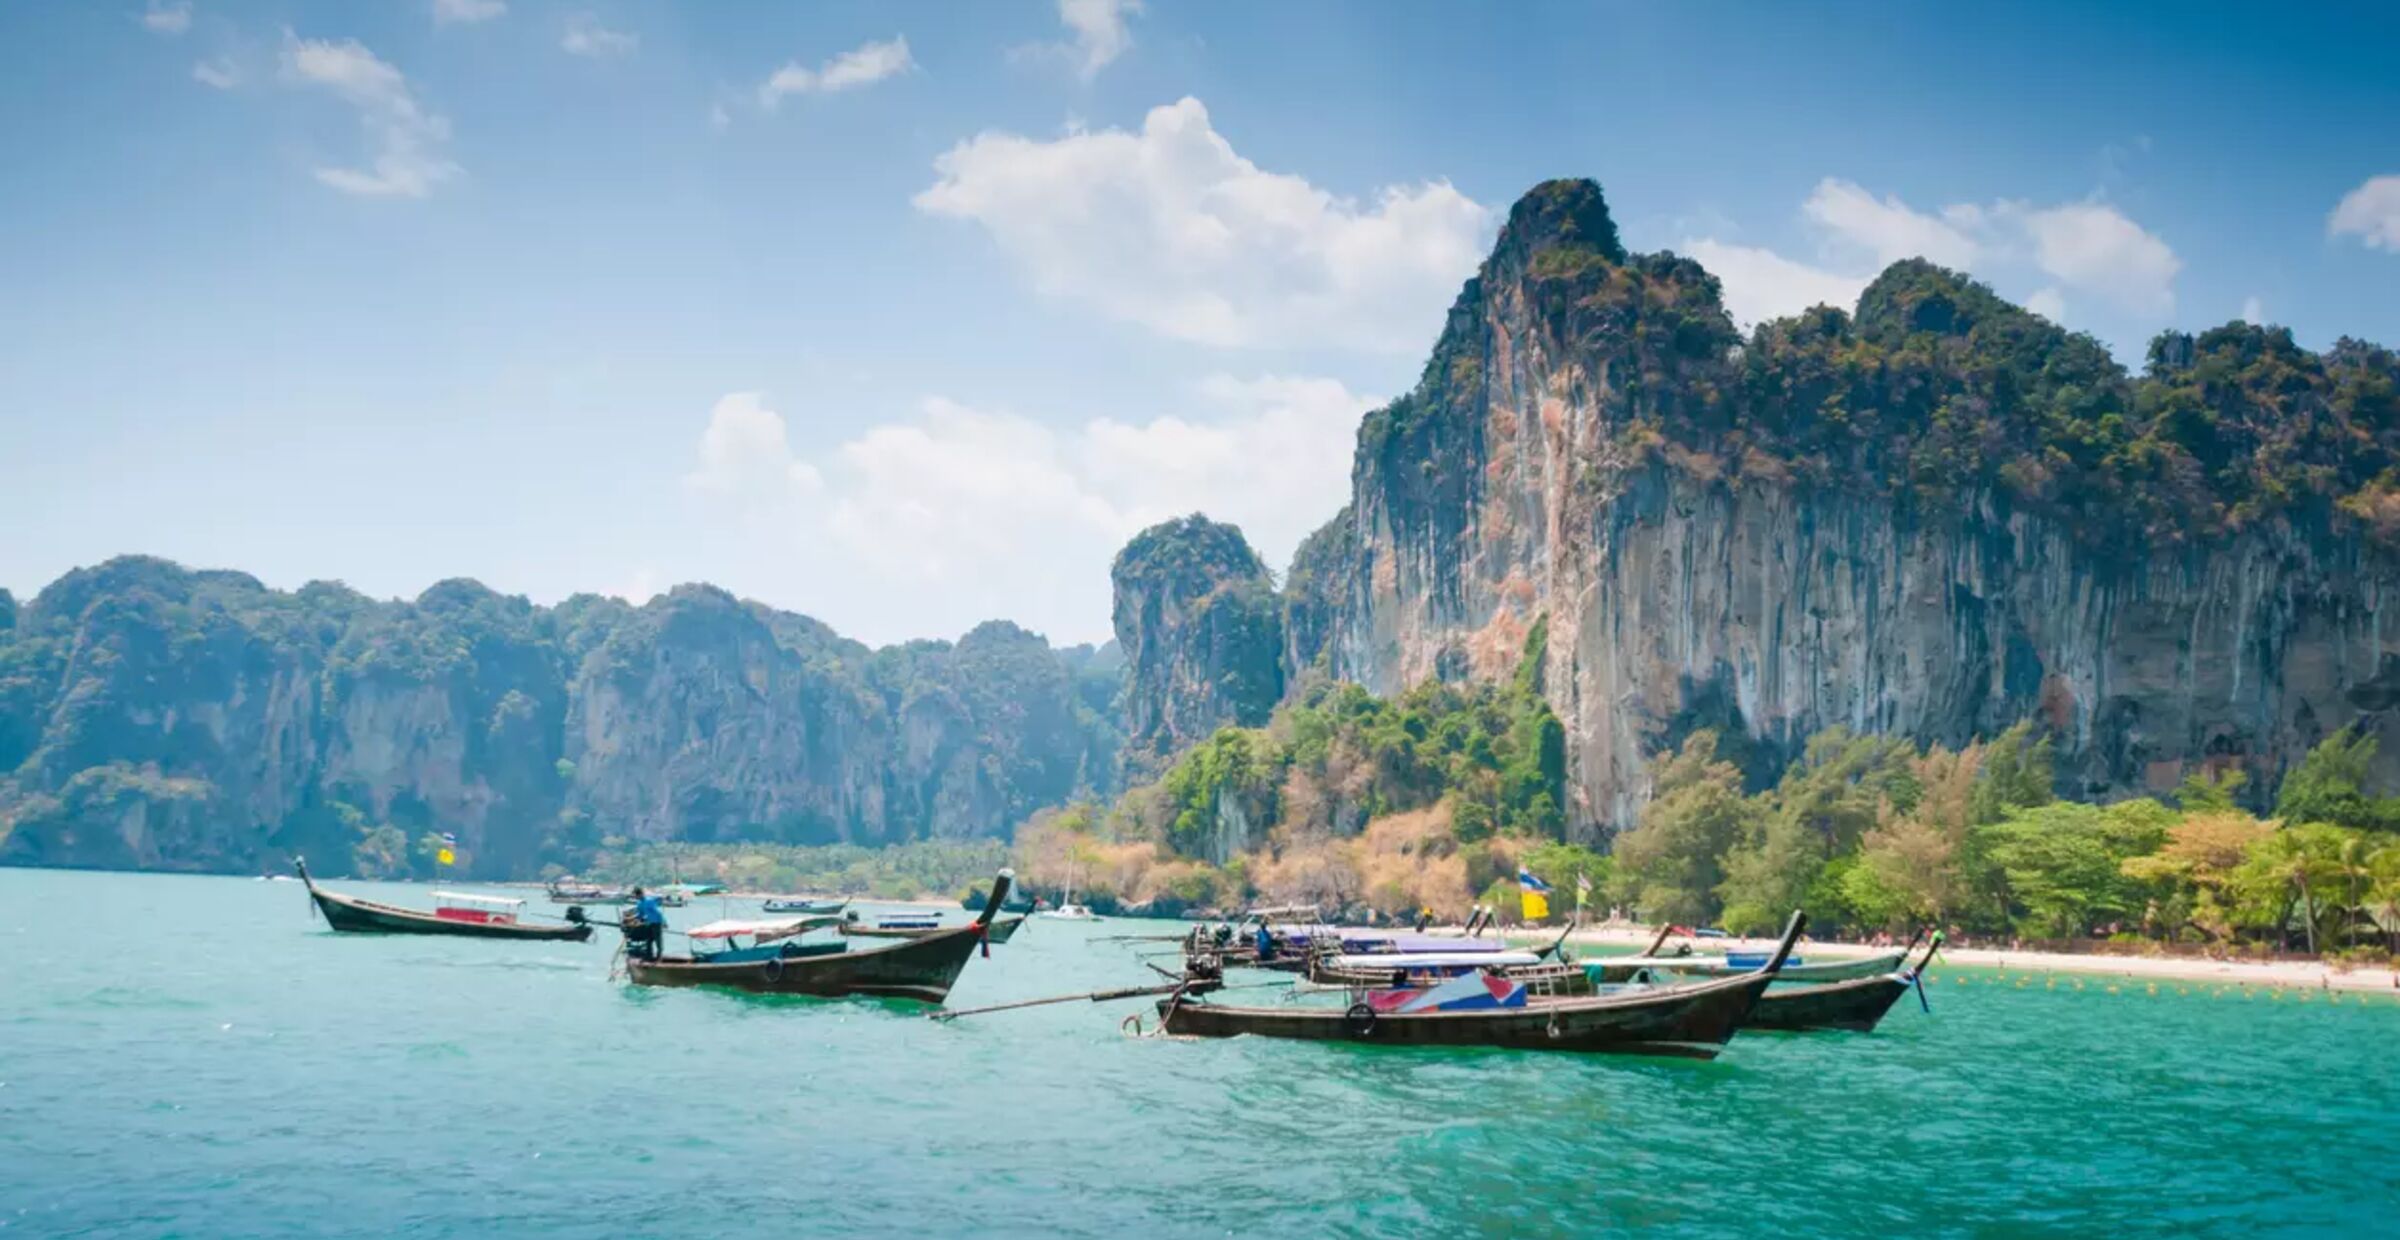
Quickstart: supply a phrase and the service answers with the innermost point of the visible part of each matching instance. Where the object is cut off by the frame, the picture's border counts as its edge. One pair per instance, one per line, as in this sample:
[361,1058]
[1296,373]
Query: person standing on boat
[1266,943]
[646,925]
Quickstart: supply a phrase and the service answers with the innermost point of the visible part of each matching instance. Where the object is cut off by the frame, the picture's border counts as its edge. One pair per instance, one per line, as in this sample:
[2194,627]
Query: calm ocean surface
[197,1057]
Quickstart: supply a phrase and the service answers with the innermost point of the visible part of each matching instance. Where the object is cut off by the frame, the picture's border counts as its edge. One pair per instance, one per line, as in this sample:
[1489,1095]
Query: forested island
[1927,612]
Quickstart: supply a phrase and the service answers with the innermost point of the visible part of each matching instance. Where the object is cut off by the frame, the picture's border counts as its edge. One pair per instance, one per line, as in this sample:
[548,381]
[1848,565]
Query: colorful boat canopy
[1472,993]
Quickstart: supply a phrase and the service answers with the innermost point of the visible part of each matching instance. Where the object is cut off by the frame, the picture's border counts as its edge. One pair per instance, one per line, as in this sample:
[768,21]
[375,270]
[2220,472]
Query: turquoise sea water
[197,1057]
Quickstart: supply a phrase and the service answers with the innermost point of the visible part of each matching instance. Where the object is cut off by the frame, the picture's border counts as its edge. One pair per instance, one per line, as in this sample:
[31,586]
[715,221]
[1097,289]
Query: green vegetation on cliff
[1344,799]
[156,717]
[1937,393]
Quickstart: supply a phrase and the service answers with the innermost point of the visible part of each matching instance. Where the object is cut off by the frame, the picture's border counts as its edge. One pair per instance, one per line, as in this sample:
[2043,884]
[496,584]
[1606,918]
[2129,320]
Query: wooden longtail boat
[1691,1021]
[920,968]
[804,905]
[472,918]
[1857,1005]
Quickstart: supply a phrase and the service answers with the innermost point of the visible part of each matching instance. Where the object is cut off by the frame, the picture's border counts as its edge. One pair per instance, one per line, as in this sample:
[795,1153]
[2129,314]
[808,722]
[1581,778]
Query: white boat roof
[468,897]
[1433,960]
[764,929]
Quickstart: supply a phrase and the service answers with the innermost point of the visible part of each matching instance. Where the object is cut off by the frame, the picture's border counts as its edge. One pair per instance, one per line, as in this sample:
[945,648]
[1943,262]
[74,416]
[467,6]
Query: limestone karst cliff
[1200,625]
[156,717]
[1936,517]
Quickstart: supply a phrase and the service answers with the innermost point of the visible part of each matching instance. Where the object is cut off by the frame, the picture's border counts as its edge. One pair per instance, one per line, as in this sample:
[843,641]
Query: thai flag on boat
[450,839]
[1526,880]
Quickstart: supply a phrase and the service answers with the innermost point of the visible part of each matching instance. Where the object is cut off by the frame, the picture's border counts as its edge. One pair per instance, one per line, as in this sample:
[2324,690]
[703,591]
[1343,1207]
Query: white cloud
[863,65]
[586,37]
[2370,213]
[745,450]
[962,513]
[2082,247]
[466,12]
[2093,247]
[220,73]
[407,140]
[167,17]
[2254,311]
[1761,284]
[1888,230]
[1100,32]
[1171,229]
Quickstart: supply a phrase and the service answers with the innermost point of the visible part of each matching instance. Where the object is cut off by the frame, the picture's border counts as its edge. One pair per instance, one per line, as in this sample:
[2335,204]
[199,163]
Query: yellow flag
[1537,905]
[445,856]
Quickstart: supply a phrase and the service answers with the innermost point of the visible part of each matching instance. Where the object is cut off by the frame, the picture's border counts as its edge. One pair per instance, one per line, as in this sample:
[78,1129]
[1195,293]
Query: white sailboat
[1068,909]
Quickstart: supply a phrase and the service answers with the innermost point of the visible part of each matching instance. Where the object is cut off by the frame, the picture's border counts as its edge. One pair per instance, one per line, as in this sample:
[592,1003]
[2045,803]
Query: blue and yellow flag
[1536,893]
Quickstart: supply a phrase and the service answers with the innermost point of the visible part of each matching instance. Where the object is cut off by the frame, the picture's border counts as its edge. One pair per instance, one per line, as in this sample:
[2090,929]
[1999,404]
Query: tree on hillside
[1670,865]
[2062,862]
[2329,786]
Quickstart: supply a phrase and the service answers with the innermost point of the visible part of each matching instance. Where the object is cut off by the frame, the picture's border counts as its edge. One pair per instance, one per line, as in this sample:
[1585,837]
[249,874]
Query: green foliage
[2017,774]
[2329,785]
[2201,792]
[270,707]
[2062,862]
[1672,865]
[1496,753]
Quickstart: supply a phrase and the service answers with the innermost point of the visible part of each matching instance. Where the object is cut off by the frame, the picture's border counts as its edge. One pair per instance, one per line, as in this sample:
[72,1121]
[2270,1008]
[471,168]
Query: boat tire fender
[1359,1021]
[772,969]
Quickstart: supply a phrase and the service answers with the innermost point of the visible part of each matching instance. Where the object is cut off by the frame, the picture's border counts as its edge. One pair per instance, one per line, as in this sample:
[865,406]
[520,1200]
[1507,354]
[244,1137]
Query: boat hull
[1691,1022]
[353,915]
[1857,1005]
[1005,928]
[923,969]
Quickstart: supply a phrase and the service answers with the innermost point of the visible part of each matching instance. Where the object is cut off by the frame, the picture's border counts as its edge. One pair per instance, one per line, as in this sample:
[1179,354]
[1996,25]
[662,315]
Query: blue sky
[906,316]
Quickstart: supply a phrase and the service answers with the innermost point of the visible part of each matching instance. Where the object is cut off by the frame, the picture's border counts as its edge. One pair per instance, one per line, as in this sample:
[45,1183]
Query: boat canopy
[475,901]
[1435,960]
[765,931]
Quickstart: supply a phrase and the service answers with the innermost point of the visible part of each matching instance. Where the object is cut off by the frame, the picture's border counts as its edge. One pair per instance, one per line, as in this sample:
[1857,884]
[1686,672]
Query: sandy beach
[2310,975]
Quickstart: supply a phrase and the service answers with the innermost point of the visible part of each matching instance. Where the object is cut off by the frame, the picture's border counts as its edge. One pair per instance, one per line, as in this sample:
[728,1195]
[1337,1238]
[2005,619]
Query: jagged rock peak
[1557,226]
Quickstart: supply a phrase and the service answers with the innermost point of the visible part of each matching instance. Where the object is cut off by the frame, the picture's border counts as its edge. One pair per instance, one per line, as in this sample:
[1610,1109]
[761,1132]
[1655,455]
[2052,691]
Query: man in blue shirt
[645,925]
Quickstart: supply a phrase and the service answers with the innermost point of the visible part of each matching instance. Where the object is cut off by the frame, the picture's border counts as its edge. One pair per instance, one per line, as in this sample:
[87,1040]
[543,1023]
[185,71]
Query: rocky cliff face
[1937,519]
[158,718]
[1201,626]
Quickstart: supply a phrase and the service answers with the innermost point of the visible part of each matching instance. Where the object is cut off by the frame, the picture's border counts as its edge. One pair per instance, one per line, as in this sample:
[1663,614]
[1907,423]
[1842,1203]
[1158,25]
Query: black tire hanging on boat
[1359,1021]
[772,969]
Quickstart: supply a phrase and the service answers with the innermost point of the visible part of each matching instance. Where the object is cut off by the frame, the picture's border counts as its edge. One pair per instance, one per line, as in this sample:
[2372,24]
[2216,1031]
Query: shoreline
[2283,974]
